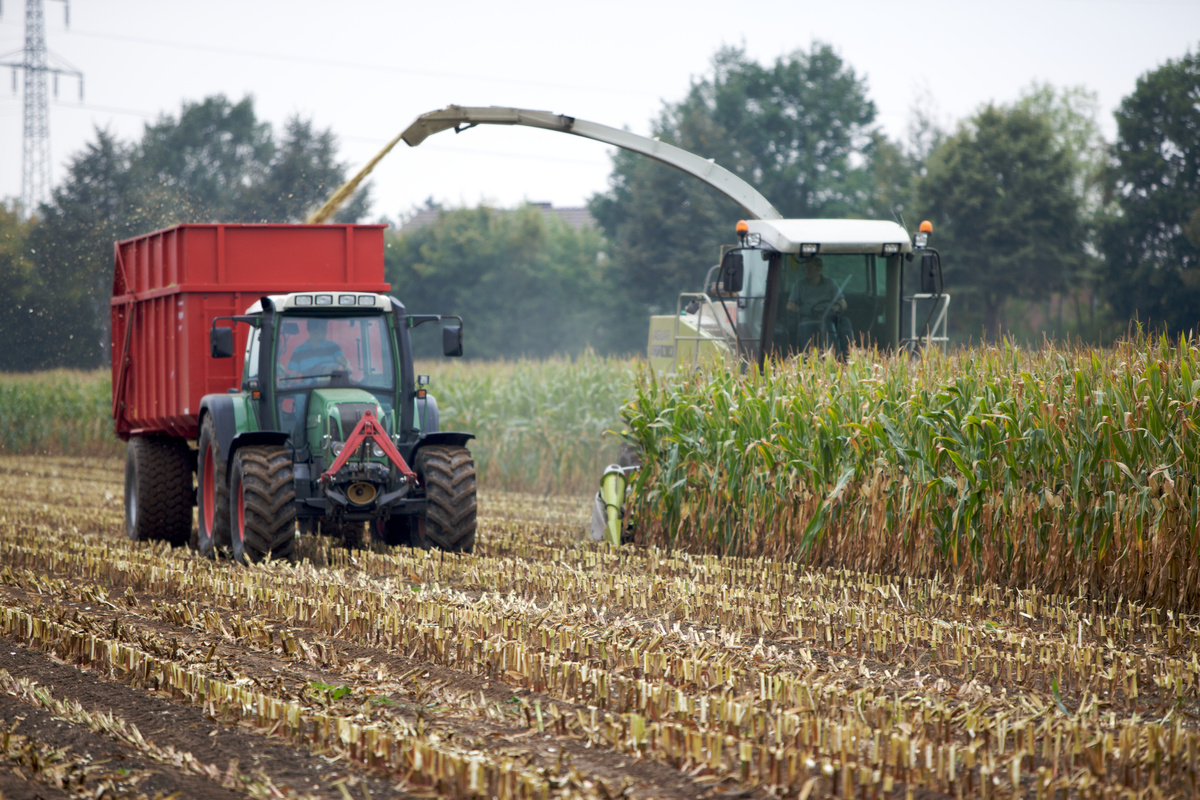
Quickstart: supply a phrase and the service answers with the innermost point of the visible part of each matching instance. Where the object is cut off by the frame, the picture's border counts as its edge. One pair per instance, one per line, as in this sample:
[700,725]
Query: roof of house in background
[575,216]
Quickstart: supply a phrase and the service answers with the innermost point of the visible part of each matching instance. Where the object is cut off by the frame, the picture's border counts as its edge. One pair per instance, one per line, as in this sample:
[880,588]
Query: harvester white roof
[833,235]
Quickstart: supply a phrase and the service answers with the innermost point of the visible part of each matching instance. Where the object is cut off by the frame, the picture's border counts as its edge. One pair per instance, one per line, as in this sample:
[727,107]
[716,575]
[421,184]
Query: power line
[323,62]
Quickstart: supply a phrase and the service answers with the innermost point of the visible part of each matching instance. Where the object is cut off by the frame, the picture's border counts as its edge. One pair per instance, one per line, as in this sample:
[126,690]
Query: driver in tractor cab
[819,303]
[317,356]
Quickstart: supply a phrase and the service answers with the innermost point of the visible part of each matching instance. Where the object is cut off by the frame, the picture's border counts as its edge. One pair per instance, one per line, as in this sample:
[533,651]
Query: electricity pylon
[36,62]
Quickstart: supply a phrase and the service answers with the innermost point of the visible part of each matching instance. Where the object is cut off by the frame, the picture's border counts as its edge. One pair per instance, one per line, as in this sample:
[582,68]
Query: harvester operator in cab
[819,302]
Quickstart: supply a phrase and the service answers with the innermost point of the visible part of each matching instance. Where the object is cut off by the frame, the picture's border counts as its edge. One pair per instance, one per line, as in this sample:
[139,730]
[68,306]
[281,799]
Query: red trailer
[327,429]
[169,285]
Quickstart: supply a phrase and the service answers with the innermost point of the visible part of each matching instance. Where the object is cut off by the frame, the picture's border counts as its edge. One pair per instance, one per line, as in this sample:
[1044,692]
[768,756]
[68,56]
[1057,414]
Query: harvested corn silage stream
[542,667]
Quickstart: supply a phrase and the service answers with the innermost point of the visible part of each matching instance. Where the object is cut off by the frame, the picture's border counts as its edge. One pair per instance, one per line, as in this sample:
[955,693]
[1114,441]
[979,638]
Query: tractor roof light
[347,300]
[324,299]
[809,249]
[891,249]
[303,300]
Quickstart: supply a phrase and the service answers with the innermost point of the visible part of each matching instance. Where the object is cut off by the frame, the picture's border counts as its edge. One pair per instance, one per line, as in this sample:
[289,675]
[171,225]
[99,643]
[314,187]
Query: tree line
[1044,227]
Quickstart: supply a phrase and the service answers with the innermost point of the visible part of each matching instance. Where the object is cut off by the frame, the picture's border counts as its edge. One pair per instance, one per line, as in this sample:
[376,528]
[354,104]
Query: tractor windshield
[324,351]
[335,352]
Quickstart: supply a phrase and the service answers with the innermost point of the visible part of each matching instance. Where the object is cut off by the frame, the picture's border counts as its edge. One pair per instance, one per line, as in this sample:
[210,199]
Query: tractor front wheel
[212,493]
[262,505]
[158,490]
[448,473]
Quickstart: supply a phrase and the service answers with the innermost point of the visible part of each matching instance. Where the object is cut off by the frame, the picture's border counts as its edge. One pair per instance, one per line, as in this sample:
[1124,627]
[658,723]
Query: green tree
[799,130]
[1072,114]
[1000,195]
[216,162]
[1151,243]
[301,176]
[208,158]
[525,283]
[18,281]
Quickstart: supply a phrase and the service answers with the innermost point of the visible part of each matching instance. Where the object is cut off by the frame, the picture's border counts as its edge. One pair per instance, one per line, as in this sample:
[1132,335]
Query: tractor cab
[795,286]
[328,377]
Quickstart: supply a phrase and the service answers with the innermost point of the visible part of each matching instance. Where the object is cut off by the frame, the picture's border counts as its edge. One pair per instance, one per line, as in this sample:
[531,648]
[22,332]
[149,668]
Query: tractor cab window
[250,370]
[324,351]
[338,352]
[826,301]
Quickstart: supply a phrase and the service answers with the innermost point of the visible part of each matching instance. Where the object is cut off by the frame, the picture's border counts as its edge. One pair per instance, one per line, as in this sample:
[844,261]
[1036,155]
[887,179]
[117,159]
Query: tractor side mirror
[732,272]
[928,273]
[220,342]
[452,341]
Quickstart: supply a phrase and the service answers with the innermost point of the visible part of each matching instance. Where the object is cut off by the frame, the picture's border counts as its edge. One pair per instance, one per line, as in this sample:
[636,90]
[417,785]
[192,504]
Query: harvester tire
[212,493]
[158,490]
[448,473]
[262,505]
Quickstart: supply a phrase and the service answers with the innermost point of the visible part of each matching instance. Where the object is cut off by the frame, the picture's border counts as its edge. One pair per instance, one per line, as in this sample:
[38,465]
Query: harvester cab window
[826,301]
[751,299]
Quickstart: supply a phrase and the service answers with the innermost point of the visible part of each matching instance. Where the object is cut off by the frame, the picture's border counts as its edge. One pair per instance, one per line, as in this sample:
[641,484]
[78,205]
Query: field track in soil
[545,667]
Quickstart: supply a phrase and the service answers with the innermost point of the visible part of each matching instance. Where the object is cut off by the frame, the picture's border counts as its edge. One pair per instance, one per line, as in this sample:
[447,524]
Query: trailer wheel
[212,492]
[448,473]
[158,490]
[262,505]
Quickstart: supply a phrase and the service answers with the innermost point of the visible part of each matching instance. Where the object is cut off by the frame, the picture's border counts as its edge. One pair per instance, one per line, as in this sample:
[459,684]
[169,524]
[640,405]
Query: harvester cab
[796,285]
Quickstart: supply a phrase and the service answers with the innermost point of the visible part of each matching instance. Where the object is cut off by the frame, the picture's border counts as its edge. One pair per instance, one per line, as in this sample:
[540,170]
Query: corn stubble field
[705,661]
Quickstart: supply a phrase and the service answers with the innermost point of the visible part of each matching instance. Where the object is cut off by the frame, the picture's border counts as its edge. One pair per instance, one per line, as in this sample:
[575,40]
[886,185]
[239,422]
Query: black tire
[212,492]
[262,505]
[448,474]
[158,490]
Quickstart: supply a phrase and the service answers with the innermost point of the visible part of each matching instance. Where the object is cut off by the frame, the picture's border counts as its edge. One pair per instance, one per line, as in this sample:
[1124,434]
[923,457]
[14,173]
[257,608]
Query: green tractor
[329,432]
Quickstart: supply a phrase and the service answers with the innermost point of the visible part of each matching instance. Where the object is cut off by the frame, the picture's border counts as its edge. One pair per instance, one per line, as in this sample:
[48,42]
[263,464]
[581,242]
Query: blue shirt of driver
[314,359]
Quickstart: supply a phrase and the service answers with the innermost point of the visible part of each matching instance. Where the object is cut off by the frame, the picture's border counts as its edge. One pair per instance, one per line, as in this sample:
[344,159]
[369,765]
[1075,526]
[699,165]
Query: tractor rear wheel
[262,505]
[158,490]
[212,492]
[448,473]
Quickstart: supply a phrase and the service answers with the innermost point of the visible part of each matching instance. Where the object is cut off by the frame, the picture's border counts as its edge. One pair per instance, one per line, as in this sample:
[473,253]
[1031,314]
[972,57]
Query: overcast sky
[367,68]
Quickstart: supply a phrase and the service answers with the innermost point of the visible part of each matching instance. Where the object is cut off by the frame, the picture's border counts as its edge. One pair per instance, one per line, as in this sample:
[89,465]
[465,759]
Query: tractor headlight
[376,450]
[336,448]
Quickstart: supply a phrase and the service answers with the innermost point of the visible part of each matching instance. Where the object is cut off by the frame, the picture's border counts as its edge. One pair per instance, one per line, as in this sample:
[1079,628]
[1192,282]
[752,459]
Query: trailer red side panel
[169,285]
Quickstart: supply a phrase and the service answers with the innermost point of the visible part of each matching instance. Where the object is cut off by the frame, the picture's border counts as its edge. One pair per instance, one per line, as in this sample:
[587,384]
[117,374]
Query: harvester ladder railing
[705,302]
[936,332]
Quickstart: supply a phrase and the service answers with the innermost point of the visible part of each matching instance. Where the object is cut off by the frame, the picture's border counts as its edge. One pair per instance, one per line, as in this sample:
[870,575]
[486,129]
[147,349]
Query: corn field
[539,425]
[544,667]
[1070,470]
